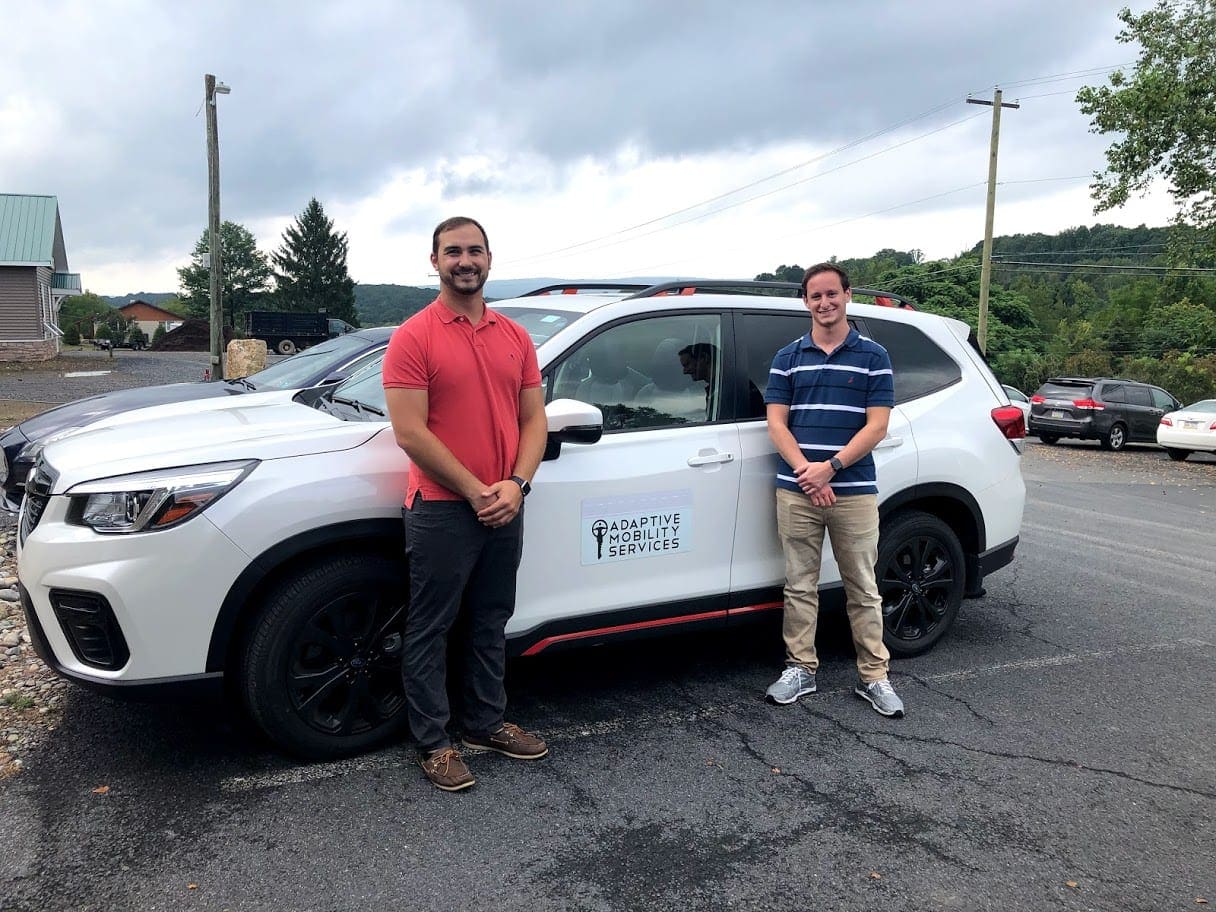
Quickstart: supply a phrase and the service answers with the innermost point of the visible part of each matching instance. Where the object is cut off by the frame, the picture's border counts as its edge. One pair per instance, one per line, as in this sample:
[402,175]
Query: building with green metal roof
[34,277]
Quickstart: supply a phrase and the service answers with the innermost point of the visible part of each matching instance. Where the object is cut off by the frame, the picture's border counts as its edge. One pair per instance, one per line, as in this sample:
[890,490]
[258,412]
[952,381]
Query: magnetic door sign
[636,526]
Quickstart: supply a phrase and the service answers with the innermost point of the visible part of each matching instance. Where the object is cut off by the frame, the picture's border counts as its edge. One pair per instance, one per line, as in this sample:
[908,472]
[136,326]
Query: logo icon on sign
[599,529]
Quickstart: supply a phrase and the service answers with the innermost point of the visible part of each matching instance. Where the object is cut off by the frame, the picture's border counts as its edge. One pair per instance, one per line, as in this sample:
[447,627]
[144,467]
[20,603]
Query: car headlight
[150,501]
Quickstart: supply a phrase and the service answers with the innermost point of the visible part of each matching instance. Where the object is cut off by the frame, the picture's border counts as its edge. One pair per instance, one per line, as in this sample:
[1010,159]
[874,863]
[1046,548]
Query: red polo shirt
[473,376]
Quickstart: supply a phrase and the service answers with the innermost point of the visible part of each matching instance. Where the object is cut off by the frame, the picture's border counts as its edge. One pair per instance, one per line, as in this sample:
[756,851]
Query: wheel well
[241,605]
[957,509]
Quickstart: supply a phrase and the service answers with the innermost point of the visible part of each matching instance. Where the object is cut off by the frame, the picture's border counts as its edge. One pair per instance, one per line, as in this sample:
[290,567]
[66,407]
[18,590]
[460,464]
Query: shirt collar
[849,341]
[447,315]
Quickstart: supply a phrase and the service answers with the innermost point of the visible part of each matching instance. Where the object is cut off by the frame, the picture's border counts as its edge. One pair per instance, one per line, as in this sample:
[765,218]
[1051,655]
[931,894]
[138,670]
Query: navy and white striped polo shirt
[828,396]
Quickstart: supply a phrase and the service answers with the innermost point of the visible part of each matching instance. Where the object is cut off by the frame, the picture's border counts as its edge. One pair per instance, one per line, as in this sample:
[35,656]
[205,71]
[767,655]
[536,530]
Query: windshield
[540,322]
[298,370]
[361,397]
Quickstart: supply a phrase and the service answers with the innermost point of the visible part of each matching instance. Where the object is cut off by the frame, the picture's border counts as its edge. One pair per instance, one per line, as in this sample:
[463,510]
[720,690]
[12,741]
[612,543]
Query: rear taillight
[1037,399]
[1088,404]
[1167,422]
[1212,426]
[1010,420]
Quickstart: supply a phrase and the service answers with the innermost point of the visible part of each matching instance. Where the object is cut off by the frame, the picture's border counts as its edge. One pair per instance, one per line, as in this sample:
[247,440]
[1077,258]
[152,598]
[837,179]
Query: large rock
[244,357]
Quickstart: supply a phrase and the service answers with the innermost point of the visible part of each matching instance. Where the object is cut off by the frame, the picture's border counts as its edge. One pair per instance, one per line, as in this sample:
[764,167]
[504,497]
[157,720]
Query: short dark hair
[819,268]
[699,350]
[457,221]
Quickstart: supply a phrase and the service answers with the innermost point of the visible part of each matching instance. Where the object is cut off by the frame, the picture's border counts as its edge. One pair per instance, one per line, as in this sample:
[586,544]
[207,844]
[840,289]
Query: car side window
[1113,392]
[763,335]
[919,365]
[647,373]
[1138,395]
[1163,400]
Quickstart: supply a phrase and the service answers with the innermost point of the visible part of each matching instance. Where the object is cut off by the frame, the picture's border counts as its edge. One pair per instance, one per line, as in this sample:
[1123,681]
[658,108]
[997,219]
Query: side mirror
[571,421]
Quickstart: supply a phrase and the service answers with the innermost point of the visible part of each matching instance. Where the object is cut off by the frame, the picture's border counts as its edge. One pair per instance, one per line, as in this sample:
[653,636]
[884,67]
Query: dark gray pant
[460,570]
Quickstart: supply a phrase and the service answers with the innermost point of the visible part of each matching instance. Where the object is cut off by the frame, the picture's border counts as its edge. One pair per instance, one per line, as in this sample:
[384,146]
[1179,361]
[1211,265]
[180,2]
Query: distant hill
[151,297]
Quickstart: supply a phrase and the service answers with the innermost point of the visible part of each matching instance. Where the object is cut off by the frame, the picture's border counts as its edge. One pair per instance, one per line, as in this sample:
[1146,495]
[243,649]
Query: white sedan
[1189,429]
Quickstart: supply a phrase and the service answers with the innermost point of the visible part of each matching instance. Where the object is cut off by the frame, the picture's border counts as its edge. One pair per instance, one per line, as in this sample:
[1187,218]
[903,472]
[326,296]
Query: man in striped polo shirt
[829,397]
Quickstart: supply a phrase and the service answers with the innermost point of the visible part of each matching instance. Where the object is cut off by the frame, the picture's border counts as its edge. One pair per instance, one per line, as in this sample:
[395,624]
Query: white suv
[260,545]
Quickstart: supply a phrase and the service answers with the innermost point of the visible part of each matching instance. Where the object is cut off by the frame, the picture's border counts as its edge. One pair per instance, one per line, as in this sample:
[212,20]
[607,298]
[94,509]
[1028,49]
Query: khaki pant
[852,525]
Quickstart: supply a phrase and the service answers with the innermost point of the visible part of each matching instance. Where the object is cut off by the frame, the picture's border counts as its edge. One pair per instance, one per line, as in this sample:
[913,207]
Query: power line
[762,180]
[1184,270]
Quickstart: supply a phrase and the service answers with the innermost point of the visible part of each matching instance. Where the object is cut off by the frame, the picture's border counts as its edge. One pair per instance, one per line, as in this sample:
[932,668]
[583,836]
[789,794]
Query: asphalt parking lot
[1057,755]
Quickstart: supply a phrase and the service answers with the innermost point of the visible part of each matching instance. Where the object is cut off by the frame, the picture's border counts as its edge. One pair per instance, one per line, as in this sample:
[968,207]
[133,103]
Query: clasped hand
[814,479]
[498,504]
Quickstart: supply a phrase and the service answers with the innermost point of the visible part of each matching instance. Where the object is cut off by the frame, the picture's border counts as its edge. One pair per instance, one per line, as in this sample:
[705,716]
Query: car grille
[37,496]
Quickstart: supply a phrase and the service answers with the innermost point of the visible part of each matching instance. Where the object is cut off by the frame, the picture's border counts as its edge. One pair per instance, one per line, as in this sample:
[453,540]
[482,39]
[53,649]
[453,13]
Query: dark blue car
[322,365]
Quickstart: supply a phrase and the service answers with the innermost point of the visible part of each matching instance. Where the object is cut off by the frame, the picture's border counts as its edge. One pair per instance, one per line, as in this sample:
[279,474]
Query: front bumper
[164,607]
[207,686]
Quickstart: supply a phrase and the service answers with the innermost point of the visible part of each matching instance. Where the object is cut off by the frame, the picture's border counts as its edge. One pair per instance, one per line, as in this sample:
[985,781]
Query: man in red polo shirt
[463,392]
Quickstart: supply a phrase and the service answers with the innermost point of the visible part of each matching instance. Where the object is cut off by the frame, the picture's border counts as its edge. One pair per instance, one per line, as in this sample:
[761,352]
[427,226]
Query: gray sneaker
[794,682]
[882,697]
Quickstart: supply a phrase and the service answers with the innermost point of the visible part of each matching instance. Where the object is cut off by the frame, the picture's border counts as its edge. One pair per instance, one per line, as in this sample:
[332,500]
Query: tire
[1116,438]
[1177,455]
[286,347]
[1049,439]
[320,673]
[921,577]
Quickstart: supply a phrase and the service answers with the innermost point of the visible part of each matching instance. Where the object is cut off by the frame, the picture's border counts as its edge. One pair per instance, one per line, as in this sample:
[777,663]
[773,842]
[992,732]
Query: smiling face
[826,298]
[462,260]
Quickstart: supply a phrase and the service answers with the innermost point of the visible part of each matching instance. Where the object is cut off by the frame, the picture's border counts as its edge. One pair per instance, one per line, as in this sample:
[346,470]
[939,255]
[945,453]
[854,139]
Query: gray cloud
[331,100]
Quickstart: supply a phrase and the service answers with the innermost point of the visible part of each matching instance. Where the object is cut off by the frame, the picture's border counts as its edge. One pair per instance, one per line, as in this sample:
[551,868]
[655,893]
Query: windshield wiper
[358,406]
[243,382]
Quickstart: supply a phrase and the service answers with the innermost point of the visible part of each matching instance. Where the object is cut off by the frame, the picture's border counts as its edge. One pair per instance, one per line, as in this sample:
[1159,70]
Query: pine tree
[310,267]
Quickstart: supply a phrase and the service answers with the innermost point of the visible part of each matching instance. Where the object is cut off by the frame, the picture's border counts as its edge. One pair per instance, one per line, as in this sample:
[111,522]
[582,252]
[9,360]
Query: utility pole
[986,259]
[213,225]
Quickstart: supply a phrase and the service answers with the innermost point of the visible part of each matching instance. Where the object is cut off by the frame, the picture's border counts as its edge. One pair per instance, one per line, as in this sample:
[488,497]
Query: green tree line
[1098,301]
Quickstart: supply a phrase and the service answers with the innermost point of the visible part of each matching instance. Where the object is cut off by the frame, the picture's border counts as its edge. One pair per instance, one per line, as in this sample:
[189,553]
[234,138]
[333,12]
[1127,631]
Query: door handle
[887,442]
[710,459]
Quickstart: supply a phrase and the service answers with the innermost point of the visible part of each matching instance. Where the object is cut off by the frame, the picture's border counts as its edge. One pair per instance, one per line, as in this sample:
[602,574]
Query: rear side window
[1113,392]
[920,366]
[765,334]
[1138,395]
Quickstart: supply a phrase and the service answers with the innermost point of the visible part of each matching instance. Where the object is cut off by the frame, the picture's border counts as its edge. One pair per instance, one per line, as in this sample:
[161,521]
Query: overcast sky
[593,139]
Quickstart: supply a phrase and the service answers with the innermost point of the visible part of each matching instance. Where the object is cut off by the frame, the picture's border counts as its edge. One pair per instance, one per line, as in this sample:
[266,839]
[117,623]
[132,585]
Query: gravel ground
[48,381]
[30,693]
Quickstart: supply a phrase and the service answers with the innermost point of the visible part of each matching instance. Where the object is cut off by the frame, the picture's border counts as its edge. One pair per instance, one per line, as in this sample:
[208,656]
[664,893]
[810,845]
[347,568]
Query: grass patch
[19,701]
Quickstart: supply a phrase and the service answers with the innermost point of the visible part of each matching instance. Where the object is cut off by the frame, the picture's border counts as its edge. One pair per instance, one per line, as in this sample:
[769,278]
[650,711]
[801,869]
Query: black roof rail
[576,287]
[748,286]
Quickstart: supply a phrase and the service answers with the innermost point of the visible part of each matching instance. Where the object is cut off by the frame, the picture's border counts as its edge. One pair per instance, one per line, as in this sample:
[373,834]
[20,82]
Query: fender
[265,564]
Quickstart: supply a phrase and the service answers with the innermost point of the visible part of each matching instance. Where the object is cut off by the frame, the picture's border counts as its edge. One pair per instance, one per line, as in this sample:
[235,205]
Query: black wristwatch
[836,464]
[524,488]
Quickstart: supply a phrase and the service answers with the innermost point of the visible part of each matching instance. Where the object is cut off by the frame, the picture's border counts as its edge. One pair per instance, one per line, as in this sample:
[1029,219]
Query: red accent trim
[765,606]
[620,628]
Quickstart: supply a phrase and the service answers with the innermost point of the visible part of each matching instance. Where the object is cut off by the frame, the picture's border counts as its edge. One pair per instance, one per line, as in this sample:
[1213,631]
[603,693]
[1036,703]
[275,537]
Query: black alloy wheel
[1116,438]
[322,669]
[921,576]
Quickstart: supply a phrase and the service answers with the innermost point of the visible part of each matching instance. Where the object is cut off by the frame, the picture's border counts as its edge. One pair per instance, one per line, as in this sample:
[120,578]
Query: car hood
[269,429]
[86,411]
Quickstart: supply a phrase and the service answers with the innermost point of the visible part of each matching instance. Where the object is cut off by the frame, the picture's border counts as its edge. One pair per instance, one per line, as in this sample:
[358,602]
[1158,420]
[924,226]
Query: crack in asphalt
[843,811]
[923,682]
[1049,761]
